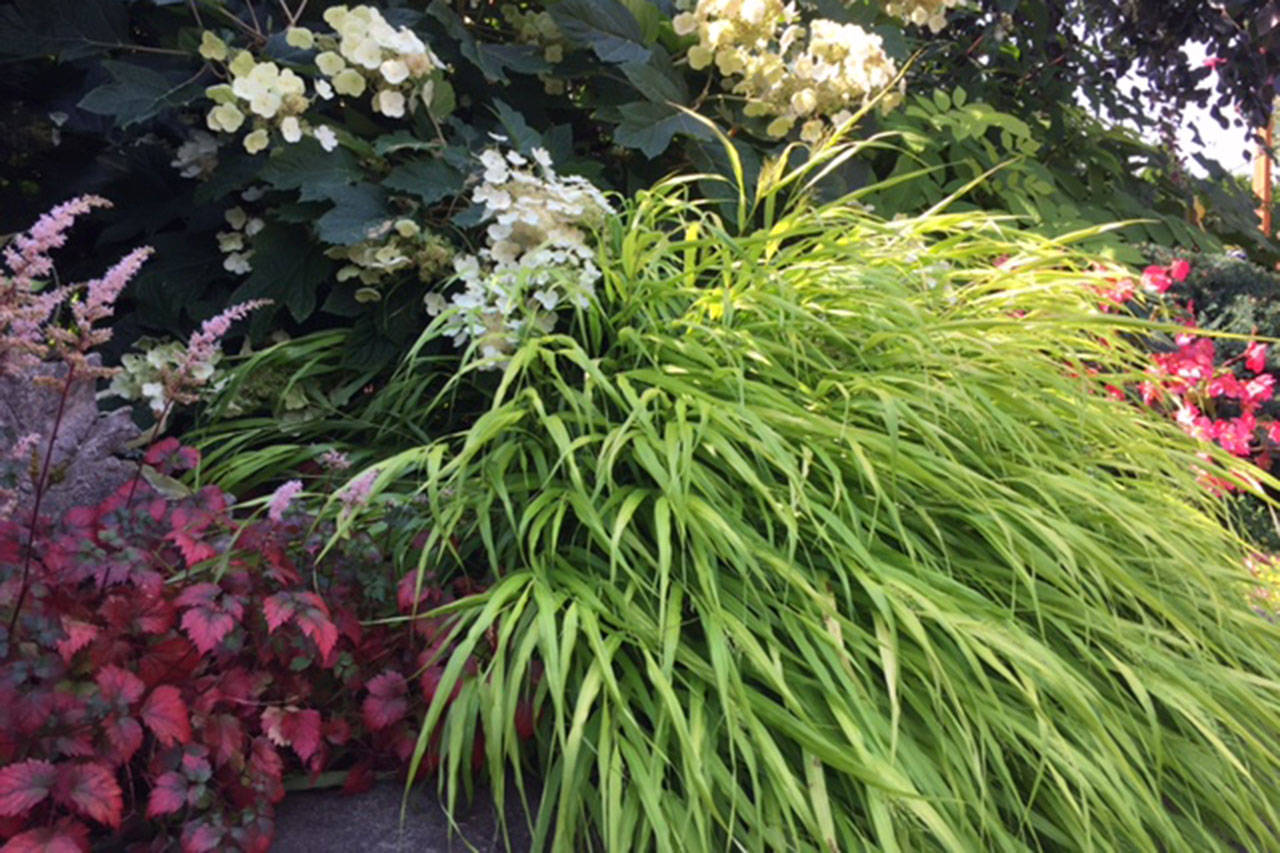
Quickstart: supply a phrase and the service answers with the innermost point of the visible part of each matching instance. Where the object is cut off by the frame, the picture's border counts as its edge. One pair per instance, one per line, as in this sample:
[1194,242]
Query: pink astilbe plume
[203,349]
[27,313]
[28,255]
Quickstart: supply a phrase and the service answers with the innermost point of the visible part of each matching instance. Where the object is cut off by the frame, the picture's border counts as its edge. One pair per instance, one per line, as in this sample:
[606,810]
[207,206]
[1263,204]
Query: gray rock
[323,821]
[87,463]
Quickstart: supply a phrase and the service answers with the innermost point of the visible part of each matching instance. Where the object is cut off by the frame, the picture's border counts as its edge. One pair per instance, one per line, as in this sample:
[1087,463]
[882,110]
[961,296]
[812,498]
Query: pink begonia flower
[1179,270]
[281,498]
[1226,385]
[1214,62]
[1255,357]
[1260,388]
[1156,279]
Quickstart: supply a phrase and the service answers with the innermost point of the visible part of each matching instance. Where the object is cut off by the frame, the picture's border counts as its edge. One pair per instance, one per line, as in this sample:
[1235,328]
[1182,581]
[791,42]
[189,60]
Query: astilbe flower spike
[25,309]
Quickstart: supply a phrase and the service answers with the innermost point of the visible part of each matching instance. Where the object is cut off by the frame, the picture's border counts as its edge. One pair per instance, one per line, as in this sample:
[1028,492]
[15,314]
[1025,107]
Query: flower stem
[40,489]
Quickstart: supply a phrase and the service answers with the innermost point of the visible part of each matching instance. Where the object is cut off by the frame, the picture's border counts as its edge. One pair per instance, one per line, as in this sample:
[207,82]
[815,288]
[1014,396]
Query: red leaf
[524,719]
[168,794]
[165,714]
[193,550]
[79,634]
[207,627]
[119,686]
[200,837]
[278,608]
[337,731]
[359,779]
[224,737]
[316,625]
[91,790]
[66,836]
[266,770]
[124,734]
[302,728]
[161,450]
[386,702]
[24,785]
[171,659]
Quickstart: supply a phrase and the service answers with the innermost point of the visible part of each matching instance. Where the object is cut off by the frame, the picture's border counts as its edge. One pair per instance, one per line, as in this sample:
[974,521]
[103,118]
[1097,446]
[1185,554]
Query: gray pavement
[324,821]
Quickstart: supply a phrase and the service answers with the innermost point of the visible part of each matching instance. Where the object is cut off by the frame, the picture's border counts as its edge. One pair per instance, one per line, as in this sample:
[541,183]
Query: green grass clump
[822,537]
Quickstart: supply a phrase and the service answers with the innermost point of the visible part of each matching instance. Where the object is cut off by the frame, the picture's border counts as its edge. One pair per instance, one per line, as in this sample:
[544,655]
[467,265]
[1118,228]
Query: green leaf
[402,140]
[605,26]
[357,210]
[493,60]
[288,267]
[521,135]
[138,93]
[650,127]
[429,180]
[657,79]
[65,29]
[318,175]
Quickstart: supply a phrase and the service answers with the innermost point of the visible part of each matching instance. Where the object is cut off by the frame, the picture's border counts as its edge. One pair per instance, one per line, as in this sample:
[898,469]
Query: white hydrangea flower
[291,129]
[389,102]
[326,137]
[198,156]
[538,258]
[786,71]
[930,13]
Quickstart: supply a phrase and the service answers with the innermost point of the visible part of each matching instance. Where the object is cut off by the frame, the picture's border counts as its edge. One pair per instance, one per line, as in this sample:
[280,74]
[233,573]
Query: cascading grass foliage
[821,535]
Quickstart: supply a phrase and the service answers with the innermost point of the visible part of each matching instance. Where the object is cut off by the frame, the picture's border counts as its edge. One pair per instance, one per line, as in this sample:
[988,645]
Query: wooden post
[1262,181]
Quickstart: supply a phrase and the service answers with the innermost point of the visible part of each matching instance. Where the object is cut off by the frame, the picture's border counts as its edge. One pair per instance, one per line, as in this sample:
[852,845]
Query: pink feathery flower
[335,460]
[101,293]
[28,255]
[203,348]
[205,343]
[281,498]
[356,493]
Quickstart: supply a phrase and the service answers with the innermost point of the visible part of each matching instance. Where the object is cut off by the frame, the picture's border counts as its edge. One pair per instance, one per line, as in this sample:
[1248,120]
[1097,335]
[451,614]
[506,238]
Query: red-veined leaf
[207,627]
[25,784]
[124,735]
[165,714]
[90,790]
[79,634]
[302,728]
[168,794]
[66,836]
[200,837]
[224,737]
[119,686]
[278,609]
[386,702]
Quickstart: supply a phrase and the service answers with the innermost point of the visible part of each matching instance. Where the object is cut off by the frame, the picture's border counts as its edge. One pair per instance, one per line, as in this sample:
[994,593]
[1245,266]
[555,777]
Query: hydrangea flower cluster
[538,258]
[930,13]
[165,374]
[786,71]
[399,245]
[363,53]
[537,27]
[367,53]
[198,156]
[233,243]
[264,94]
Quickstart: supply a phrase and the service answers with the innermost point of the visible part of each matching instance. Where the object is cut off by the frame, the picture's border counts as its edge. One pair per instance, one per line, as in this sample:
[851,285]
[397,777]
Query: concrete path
[324,821]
